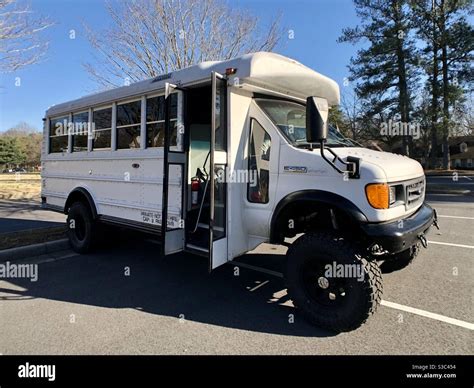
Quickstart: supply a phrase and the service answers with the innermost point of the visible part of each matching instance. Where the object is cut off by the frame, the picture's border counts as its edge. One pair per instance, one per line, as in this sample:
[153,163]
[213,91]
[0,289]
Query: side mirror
[316,119]
[317,111]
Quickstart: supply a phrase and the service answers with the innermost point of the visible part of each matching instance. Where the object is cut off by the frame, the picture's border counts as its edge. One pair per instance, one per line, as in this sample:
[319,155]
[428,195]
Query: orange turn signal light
[378,195]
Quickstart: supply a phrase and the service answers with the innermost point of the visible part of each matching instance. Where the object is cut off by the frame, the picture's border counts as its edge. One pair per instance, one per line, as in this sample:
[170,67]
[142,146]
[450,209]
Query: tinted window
[80,131]
[128,125]
[128,137]
[259,164]
[221,139]
[58,134]
[155,120]
[101,140]
[129,113]
[58,144]
[155,134]
[102,119]
[155,109]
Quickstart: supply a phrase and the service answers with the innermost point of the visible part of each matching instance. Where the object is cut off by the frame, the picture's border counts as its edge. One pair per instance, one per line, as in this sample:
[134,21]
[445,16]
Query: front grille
[414,192]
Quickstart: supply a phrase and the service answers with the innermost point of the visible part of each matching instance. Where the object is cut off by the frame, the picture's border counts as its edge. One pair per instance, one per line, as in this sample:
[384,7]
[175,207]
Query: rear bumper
[399,235]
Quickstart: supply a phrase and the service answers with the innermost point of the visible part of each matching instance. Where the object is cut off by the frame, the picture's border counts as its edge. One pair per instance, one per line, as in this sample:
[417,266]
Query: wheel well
[81,195]
[314,210]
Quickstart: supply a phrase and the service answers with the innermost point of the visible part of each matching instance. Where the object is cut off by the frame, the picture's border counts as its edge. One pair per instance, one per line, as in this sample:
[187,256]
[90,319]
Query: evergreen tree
[338,119]
[457,45]
[10,151]
[385,71]
[446,58]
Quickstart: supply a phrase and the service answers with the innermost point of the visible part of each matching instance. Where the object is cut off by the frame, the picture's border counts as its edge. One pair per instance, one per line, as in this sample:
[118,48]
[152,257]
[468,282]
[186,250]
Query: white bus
[233,154]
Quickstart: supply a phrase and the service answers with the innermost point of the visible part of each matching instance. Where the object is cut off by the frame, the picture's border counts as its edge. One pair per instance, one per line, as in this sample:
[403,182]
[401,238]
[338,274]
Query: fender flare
[81,192]
[321,196]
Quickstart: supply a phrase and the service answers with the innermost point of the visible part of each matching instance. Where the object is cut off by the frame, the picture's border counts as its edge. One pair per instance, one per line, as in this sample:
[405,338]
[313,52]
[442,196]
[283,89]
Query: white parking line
[385,303]
[260,285]
[451,244]
[463,218]
[427,314]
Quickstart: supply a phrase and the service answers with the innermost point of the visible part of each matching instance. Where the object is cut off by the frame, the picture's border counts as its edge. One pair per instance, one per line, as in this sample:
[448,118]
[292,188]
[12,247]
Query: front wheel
[331,283]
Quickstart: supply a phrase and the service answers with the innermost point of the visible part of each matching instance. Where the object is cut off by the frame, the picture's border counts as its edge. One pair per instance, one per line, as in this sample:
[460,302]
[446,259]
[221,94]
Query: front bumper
[397,236]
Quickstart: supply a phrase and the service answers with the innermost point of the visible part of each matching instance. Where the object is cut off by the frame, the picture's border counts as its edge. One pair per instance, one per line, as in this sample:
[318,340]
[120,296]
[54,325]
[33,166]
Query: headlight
[378,195]
[392,194]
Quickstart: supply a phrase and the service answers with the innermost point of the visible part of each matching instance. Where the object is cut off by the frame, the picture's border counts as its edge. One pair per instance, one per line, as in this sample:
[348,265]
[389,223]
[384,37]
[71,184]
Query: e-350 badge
[297,169]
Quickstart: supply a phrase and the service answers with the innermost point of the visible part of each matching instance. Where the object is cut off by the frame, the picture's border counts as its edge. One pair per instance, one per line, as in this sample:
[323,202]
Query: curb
[33,250]
[31,236]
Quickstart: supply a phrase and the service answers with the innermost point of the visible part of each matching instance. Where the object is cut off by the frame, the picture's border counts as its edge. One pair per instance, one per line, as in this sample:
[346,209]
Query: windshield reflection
[290,119]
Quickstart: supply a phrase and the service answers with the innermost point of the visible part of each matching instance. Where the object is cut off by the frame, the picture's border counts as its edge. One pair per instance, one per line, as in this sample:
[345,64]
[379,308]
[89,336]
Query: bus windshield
[290,119]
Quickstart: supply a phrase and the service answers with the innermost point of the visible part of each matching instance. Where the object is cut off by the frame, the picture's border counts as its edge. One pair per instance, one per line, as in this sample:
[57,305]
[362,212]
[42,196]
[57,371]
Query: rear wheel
[331,283]
[81,228]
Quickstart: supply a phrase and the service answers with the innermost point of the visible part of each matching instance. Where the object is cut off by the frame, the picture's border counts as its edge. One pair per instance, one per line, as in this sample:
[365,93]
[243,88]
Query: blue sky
[61,77]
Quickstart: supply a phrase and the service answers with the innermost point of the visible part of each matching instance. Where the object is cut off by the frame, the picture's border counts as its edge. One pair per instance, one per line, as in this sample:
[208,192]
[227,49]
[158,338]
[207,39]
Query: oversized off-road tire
[332,302]
[81,228]
[400,260]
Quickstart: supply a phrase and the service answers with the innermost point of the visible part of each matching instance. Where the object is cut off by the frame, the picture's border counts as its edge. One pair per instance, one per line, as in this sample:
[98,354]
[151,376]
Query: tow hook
[377,250]
[423,240]
[435,221]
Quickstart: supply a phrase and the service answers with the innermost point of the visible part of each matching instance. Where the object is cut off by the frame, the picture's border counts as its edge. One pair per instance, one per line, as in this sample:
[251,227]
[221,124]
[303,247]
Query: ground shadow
[170,286]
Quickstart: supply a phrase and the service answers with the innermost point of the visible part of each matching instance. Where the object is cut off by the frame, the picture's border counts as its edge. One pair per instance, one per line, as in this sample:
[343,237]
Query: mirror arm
[352,163]
[336,157]
[322,148]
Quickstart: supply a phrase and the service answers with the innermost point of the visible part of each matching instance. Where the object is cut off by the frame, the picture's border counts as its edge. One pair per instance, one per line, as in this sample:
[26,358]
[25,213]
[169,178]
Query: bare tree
[21,43]
[463,117]
[353,111]
[152,37]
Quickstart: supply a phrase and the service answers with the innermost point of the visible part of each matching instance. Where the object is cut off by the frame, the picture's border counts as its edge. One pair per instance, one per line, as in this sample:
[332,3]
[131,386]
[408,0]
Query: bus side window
[102,120]
[128,125]
[155,121]
[259,164]
[58,134]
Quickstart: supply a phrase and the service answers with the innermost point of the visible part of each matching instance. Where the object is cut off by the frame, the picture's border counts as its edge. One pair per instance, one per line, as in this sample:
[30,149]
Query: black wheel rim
[328,292]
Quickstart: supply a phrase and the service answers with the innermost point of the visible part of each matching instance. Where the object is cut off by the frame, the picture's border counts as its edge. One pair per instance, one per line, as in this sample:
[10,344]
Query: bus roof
[261,70]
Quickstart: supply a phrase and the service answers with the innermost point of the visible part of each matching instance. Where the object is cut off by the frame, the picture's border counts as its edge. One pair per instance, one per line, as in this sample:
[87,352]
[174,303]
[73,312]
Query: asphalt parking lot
[16,215]
[455,181]
[90,304]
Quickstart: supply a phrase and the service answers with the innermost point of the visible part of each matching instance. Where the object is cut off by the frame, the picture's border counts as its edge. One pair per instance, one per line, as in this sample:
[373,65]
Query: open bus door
[217,172]
[174,169]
